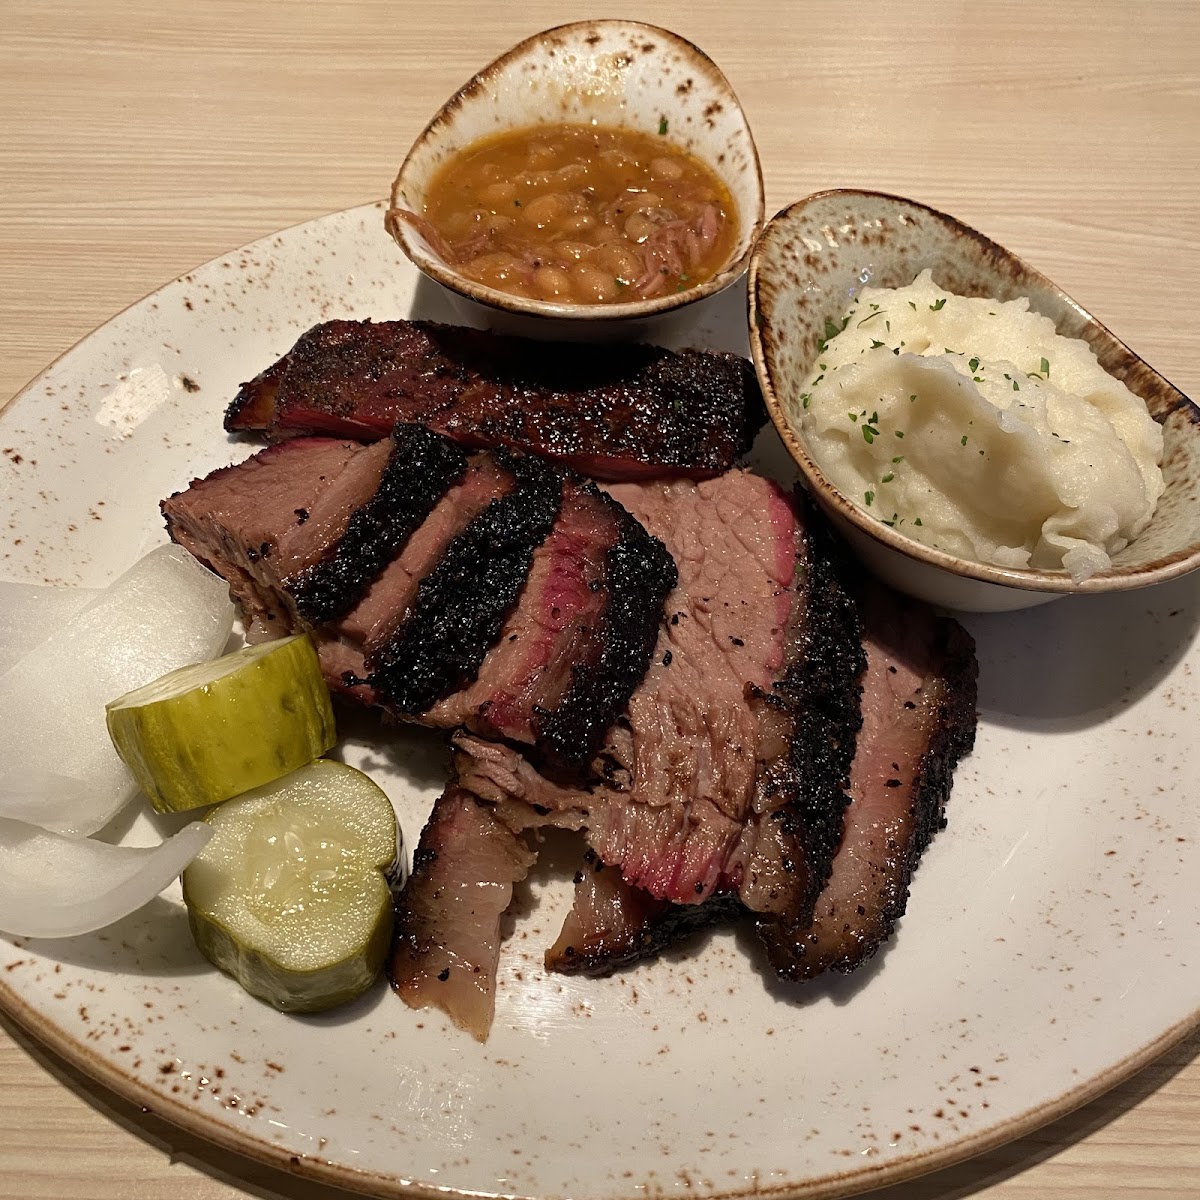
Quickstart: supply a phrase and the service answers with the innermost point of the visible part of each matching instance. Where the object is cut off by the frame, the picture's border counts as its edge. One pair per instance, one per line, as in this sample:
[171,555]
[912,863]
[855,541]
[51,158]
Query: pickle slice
[292,896]
[206,732]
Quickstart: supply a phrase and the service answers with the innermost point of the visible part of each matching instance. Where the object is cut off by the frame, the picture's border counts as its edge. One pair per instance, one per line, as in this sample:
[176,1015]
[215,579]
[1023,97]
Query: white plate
[1052,943]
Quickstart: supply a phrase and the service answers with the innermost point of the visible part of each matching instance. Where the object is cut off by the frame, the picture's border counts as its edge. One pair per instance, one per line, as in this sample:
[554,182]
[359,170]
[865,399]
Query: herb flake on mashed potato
[970,425]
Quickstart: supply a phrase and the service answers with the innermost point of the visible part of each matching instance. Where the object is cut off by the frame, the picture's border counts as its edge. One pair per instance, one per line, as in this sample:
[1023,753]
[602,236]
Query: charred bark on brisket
[639,575]
[461,605]
[421,466]
[918,722]
[814,708]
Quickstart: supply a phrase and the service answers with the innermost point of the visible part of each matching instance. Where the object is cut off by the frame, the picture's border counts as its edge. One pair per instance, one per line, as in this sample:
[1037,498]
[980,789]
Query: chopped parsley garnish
[853,416]
[1016,386]
[964,439]
[899,433]
[898,459]
[918,521]
[973,365]
[662,126]
[869,497]
[912,397]
[1046,367]
[913,305]
[869,434]
[938,305]
[888,478]
[878,312]
[805,397]
[875,344]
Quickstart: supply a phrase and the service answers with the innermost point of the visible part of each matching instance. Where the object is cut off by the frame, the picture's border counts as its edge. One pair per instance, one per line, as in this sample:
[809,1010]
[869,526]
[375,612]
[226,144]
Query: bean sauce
[580,214]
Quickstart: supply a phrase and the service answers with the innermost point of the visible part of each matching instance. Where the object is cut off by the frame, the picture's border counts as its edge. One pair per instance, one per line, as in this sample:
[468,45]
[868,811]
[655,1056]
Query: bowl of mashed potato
[980,439]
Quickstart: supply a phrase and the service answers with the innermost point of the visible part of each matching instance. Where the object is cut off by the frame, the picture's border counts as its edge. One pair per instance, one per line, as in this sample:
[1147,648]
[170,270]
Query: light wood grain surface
[138,139]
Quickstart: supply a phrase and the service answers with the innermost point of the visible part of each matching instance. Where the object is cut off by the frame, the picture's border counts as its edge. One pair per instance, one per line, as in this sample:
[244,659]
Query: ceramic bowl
[808,266]
[610,73]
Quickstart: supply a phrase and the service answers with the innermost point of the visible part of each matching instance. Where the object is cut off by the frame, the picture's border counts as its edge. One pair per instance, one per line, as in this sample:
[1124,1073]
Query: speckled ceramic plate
[1052,943]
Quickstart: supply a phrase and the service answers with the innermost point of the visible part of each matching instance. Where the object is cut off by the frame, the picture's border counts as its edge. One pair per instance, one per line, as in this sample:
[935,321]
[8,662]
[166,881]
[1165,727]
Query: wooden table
[140,138]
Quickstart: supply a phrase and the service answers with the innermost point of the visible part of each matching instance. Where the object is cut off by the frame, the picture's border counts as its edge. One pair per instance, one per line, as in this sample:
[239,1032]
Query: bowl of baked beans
[601,171]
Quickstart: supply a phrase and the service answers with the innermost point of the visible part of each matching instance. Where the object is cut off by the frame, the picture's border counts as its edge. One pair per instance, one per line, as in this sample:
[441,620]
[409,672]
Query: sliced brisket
[448,916]
[418,468]
[579,639]
[718,774]
[918,721]
[490,592]
[462,603]
[250,522]
[611,412]
[807,724]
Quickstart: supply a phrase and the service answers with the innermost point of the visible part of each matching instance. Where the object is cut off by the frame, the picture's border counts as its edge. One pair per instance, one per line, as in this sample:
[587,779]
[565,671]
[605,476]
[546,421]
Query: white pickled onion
[31,612]
[53,886]
[37,793]
[166,611]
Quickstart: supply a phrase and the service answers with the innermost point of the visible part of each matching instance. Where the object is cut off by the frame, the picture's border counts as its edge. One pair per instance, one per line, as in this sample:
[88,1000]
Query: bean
[503,191]
[605,233]
[552,283]
[567,249]
[618,259]
[573,175]
[666,168]
[497,269]
[543,211]
[541,154]
[592,285]
[576,222]
[640,225]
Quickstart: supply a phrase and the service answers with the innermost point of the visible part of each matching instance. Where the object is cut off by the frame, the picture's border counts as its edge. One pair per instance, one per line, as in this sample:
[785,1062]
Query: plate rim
[393,1186]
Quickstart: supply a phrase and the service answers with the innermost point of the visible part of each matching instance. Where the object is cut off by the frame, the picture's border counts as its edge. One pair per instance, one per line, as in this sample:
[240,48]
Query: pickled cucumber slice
[204,733]
[292,896]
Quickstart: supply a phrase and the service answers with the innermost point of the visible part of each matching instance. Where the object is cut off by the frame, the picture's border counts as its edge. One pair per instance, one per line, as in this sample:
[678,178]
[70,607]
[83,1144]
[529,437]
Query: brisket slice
[250,522]
[579,638]
[611,923]
[918,721]
[420,466]
[612,412]
[462,603]
[807,725]
[447,942]
[386,602]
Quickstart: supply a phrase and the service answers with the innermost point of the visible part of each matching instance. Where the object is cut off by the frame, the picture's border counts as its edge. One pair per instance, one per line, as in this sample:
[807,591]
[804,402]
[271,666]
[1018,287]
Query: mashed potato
[970,425]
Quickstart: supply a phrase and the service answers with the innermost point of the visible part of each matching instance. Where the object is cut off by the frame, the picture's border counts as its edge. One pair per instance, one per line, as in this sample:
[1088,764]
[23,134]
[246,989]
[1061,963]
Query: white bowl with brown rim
[609,73]
[812,260]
